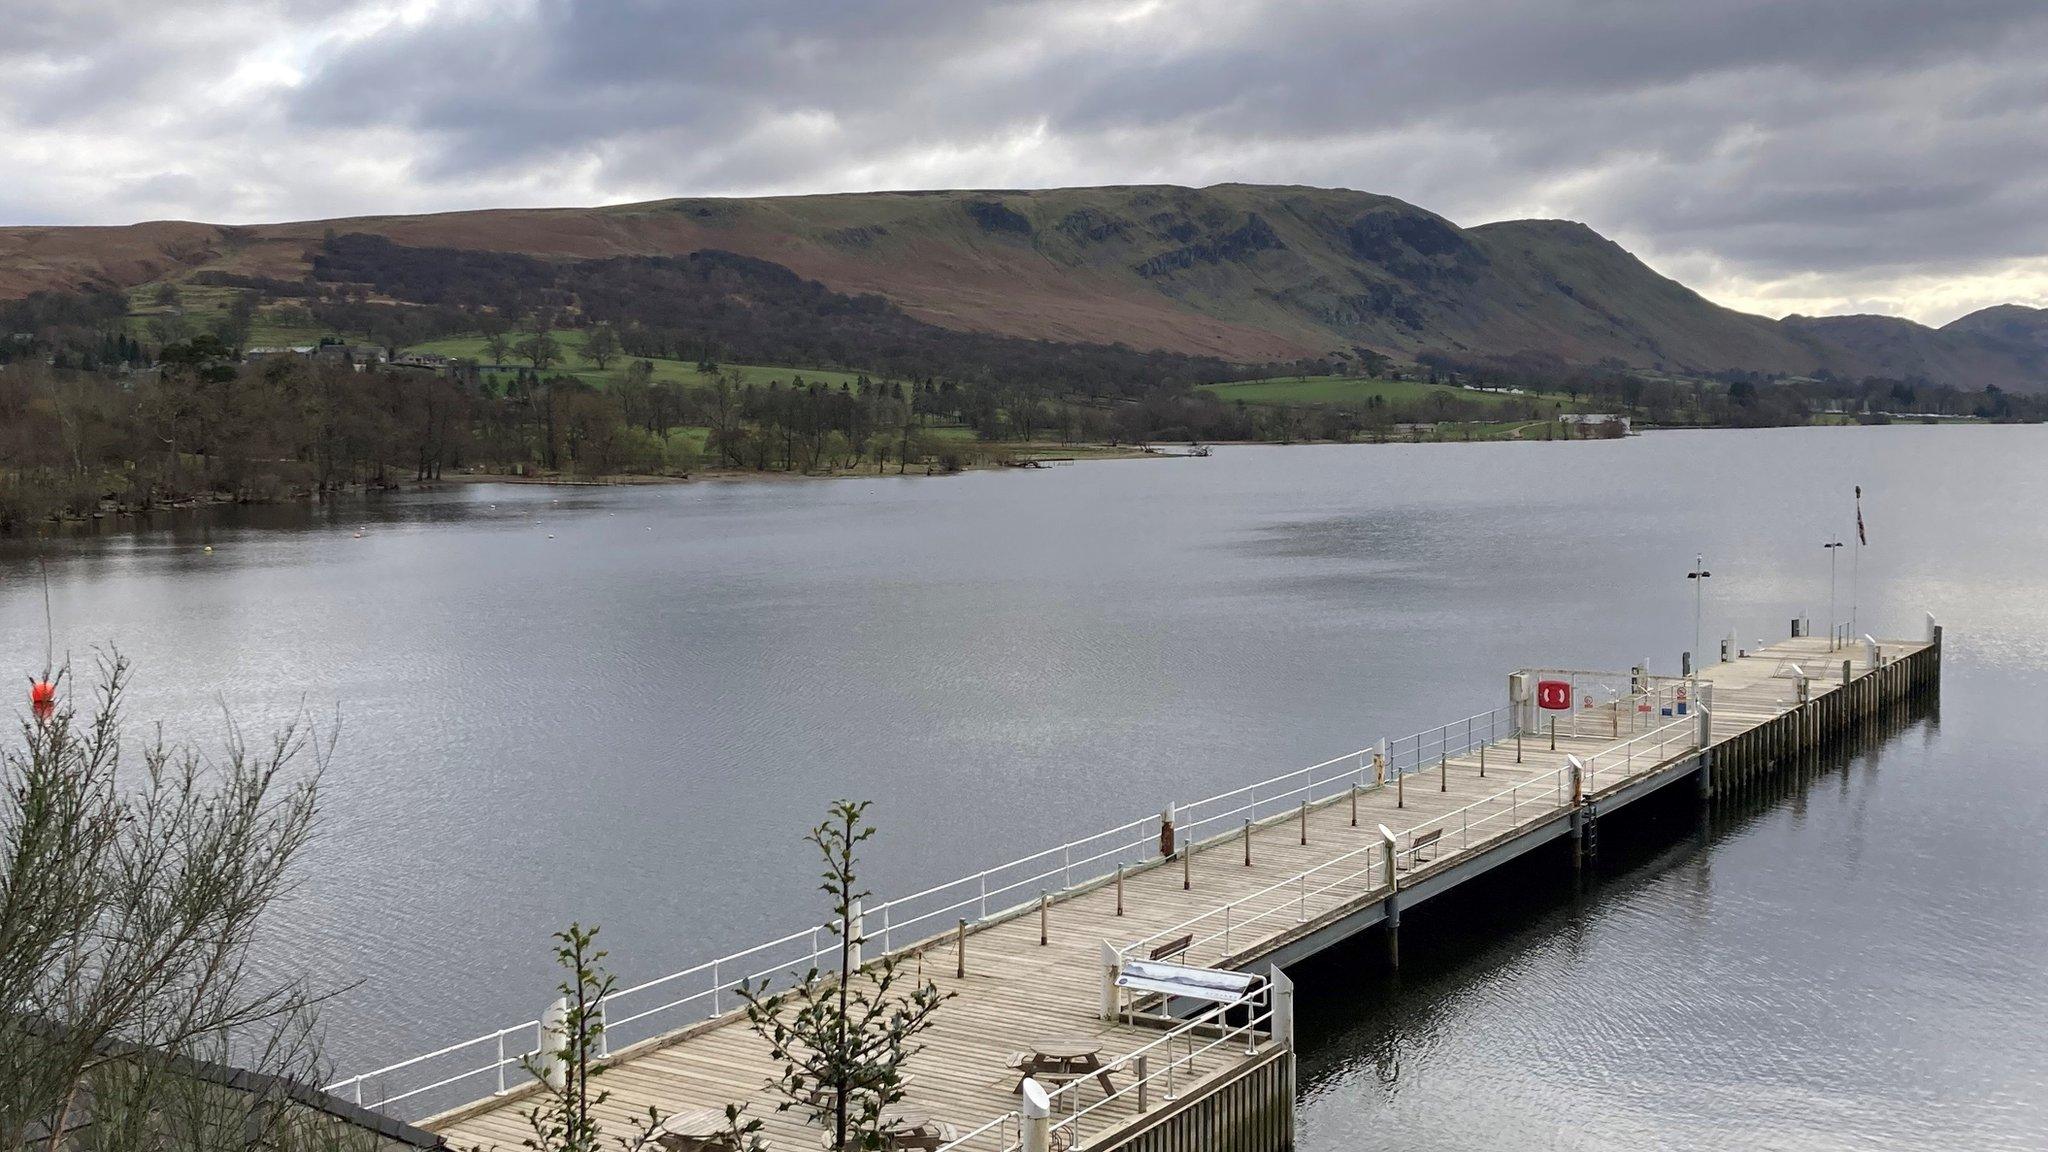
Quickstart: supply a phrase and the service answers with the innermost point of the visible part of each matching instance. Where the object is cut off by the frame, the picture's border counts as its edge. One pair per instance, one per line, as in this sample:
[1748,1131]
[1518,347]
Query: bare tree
[130,898]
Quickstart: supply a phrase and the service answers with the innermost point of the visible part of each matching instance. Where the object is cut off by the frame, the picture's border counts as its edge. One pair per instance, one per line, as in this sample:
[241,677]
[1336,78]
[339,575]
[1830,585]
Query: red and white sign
[1555,695]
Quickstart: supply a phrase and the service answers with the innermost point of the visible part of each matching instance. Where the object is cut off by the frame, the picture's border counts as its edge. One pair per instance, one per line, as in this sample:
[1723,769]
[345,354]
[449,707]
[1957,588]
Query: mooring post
[1109,993]
[554,1043]
[1379,763]
[1044,916]
[1553,733]
[1034,1117]
[1518,745]
[1400,790]
[1354,805]
[1119,889]
[960,949]
[1187,869]
[1482,761]
[1247,841]
[1443,769]
[1166,831]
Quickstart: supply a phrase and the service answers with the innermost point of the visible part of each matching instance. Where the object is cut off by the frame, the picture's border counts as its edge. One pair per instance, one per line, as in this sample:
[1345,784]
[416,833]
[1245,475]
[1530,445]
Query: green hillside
[677,371]
[1352,391]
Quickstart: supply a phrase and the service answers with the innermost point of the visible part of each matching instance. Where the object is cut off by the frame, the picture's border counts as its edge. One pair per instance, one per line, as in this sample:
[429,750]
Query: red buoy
[42,699]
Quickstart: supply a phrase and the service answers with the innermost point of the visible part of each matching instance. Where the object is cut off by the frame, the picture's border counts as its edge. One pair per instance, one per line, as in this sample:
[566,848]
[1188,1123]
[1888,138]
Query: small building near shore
[1597,423]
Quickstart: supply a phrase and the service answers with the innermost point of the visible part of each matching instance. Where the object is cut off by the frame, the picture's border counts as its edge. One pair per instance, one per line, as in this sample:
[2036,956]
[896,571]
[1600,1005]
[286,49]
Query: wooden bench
[1173,947]
[1423,840]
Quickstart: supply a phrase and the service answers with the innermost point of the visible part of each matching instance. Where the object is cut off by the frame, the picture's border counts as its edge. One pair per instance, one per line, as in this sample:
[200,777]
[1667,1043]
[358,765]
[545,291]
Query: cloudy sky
[1780,155]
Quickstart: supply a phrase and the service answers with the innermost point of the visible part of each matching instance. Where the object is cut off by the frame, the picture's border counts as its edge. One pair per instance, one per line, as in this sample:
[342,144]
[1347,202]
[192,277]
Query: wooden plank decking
[1017,990]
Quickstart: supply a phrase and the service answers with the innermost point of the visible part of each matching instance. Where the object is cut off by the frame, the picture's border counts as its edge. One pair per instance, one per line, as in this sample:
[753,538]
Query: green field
[201,305]
[1350,392]
[573,364]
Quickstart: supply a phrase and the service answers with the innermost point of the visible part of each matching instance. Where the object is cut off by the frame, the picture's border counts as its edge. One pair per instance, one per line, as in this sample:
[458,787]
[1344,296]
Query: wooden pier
[1300,874]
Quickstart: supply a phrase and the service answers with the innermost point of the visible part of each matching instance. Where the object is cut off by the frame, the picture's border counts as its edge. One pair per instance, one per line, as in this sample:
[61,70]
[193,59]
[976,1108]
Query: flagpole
[1856,564]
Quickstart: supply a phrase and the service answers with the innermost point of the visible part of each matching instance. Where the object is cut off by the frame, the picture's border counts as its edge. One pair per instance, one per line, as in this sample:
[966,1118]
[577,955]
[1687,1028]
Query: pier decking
[1267,882]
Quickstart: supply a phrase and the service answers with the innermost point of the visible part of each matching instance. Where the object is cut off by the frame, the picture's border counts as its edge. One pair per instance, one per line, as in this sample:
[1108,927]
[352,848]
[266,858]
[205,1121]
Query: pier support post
[1034,1117]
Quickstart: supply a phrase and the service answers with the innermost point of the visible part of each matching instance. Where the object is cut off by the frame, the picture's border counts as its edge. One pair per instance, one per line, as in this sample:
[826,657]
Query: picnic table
[697,1130]
[1058,1062]
[826,1096]
[912,1131]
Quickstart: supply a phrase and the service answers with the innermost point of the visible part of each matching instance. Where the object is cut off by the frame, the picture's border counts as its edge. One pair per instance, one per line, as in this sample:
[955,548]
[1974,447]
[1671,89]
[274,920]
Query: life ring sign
[1554,695]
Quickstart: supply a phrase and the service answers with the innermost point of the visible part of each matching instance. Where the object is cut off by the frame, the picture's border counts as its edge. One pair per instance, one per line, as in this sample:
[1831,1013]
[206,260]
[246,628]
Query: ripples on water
[625,706]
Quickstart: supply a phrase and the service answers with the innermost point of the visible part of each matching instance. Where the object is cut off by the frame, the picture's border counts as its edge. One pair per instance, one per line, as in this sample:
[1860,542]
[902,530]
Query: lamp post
[1832,546]
[1698,576]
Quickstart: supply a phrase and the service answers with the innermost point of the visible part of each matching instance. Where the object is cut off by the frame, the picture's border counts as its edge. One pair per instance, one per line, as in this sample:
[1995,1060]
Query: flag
[1860,537]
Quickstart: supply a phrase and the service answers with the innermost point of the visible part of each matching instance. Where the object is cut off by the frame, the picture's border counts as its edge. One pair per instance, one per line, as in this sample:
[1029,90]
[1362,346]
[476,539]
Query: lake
[626,705]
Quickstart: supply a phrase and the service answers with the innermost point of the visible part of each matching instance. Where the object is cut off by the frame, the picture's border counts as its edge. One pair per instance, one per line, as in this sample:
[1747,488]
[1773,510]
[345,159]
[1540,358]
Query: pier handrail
[1137,1062]
[1652,748]
[1553,780]
[990,894]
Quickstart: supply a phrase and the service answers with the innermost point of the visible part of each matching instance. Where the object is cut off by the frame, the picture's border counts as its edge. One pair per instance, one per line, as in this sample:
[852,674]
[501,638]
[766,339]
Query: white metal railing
[1361,871]
[492,1062]
[1611,766]
[1162,1067]
[1537,798]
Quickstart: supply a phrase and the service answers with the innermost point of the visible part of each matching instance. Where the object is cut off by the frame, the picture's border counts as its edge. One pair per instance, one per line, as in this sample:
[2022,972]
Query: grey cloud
[1766,138]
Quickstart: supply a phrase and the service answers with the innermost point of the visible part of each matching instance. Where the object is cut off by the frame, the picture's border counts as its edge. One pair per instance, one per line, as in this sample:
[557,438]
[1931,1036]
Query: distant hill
[1248,273]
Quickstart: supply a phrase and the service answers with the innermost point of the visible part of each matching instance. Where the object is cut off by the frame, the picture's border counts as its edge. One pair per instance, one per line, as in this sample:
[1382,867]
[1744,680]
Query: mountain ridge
[1251,273]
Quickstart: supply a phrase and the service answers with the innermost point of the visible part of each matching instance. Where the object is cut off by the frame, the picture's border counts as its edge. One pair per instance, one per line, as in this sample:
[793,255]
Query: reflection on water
[625,705]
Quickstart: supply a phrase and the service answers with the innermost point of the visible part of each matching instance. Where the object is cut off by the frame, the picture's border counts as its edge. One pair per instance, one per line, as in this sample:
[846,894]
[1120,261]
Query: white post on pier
[853,937]
[1110,962]
[554,1043]
[1931,628]
[1283,1006]
[1870,652]
[1034,1117]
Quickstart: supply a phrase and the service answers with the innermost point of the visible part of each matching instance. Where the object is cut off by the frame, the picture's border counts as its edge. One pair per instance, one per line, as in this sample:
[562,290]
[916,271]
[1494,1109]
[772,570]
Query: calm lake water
[626,705]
